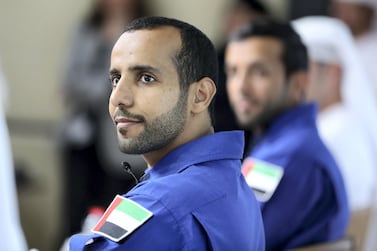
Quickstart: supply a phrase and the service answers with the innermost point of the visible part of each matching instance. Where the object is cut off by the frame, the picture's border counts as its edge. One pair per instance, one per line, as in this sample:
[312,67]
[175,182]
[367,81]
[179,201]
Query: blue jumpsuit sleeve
[161,232]
[303,198]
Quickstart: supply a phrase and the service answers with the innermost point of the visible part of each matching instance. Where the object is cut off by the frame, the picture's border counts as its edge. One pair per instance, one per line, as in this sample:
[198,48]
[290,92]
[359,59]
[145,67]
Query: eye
[146,79]
[114,81]
[230,71]
[260,71]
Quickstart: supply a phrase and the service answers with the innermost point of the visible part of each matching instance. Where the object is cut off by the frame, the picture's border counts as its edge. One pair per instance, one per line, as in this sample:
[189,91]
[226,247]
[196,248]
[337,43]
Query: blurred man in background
[292,173]
[361,18]
[339,84]
[238,13]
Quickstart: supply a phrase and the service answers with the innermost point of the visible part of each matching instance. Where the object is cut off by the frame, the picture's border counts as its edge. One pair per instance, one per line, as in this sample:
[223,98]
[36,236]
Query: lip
[122,122]
[245,104]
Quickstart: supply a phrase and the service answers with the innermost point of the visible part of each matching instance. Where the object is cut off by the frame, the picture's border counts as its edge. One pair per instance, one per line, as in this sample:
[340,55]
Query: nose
[242,83]
[121,95]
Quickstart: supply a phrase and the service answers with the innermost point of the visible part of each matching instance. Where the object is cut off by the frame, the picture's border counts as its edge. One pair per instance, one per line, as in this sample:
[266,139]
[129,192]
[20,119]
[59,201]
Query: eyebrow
[113,72]
[258,64]
[137,68]
[253,64]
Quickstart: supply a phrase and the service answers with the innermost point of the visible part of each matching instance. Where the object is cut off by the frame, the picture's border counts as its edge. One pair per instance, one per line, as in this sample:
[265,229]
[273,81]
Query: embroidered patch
[121,218]
[263,177]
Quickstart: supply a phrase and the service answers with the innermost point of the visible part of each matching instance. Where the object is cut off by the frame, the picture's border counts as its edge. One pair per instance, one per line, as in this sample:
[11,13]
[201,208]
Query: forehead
[254,48]
[147,46]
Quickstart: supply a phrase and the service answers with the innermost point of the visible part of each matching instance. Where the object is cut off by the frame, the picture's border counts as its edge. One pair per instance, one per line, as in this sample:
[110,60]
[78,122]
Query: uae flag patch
[121,218]
[263,177]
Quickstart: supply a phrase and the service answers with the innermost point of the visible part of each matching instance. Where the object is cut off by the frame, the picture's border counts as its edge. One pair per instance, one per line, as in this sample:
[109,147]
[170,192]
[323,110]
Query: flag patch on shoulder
[121,218]
[263,177]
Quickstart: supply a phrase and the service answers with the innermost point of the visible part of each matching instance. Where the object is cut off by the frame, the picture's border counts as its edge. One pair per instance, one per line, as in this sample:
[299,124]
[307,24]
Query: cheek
[168,100]
[312,86]
[235,87]
[154,105]
[263,88]
[111,110]
[269,89]
[231,89]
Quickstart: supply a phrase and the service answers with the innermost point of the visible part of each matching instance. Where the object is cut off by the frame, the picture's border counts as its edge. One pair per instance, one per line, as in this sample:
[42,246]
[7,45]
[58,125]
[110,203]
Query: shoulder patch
[262,177]
[121,218]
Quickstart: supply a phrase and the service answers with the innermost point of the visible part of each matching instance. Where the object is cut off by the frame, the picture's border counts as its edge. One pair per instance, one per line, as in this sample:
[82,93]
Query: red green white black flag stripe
[121,218]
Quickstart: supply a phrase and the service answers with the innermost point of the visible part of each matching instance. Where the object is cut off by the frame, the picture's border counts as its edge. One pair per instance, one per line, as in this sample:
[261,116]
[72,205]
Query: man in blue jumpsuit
[193,196]
[293,175]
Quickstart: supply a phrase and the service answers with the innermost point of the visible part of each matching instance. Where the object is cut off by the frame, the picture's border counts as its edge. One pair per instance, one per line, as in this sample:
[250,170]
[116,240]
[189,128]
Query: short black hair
[197,57]
[294,56]
[255,5]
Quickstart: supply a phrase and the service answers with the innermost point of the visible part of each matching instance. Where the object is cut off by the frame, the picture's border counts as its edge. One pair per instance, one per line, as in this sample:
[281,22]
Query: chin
[126,135]
[247,124]
[244,126]
[123,142]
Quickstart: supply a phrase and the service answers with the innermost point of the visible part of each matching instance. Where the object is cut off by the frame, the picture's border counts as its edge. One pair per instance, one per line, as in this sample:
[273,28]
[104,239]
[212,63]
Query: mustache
[250,97]
[124,113]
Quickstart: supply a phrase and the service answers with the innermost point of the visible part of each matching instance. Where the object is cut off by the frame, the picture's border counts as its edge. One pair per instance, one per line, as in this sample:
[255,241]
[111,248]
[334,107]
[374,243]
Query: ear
[203,92]
[299,84]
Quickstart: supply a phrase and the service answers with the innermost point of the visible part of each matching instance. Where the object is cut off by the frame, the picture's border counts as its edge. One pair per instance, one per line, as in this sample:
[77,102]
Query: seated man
[295,178]
[338,83]
[193,195]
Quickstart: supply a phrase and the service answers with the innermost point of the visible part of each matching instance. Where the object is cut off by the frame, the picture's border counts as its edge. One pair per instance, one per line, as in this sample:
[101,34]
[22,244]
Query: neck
[186,136]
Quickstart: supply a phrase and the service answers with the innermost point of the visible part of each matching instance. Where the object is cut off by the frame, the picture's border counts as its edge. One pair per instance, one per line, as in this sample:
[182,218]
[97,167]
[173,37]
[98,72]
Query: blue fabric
[199,199]
[310,204]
